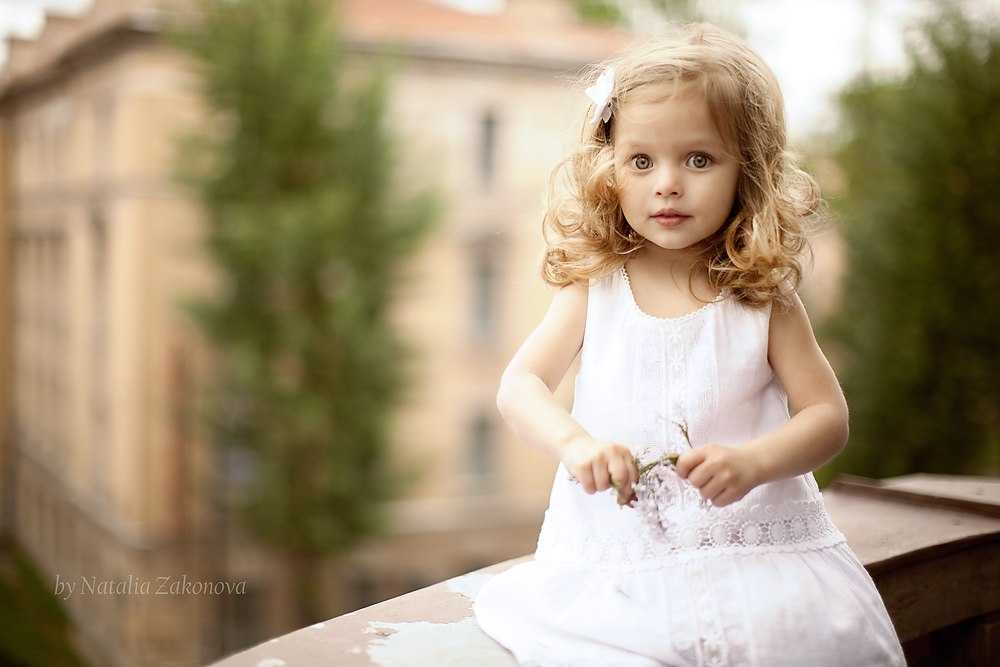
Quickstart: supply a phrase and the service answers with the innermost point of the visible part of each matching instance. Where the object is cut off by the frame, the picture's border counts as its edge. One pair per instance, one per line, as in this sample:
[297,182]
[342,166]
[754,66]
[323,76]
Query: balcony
[930,542]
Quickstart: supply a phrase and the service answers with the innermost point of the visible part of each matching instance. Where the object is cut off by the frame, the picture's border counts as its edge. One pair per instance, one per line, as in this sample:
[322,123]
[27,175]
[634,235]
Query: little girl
[675,248]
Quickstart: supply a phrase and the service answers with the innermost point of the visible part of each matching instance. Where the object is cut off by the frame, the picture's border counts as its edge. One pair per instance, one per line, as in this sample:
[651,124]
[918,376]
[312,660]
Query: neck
[684,269]
[678,263]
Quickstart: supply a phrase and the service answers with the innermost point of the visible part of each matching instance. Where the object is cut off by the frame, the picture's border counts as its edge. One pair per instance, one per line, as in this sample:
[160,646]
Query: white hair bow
[600,93]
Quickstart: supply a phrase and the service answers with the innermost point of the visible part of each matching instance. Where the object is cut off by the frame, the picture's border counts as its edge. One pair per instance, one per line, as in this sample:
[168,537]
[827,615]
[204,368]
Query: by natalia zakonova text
[133,585]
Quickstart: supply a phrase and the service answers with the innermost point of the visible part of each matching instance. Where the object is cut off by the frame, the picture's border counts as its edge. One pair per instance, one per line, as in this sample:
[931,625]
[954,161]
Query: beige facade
[106,478]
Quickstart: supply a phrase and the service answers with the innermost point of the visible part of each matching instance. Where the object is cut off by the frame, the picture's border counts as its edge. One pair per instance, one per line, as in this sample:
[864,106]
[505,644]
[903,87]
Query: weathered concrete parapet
[432,627]
[930,542]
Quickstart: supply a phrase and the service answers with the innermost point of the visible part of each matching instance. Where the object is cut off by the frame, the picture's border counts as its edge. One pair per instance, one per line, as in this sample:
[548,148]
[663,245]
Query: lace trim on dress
[653,318]
[698,533]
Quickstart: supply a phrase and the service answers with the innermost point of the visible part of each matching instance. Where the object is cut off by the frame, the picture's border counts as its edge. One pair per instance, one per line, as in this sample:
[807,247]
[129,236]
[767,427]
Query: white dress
[765,582]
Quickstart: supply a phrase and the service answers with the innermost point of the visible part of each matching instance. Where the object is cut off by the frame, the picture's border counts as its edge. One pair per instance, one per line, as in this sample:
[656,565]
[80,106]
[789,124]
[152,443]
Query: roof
[521,35]
[515,35]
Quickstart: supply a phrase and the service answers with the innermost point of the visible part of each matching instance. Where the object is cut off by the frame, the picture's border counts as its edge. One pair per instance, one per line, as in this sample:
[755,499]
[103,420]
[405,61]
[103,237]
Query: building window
[104,122]
[485,293]
[487,149]
[98,357]
[242,615]
[57,345]
[482,451]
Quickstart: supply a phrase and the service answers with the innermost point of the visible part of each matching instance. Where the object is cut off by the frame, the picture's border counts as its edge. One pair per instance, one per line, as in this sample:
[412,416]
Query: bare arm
[527,403]
[819,429]
[816,433]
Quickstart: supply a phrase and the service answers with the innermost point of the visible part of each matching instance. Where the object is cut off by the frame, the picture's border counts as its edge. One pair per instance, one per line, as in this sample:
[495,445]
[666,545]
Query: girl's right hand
[599,466]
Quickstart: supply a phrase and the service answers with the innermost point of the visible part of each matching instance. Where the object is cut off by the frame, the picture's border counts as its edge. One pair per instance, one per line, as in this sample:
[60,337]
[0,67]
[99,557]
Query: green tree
[34,628]
[920,323]
[616,11]
[307,235]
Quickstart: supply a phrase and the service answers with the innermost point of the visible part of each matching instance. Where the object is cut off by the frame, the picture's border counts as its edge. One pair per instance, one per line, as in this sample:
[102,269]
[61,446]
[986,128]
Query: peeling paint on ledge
[440,644]
[431,627]
[469,584]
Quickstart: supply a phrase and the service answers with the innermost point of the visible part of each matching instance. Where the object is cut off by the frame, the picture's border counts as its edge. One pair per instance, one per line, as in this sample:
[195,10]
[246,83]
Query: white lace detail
[698,533]
[653,318]
[725,639]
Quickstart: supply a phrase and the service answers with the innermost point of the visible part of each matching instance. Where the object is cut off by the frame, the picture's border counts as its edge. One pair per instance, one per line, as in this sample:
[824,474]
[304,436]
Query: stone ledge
[433,626]
[930,542]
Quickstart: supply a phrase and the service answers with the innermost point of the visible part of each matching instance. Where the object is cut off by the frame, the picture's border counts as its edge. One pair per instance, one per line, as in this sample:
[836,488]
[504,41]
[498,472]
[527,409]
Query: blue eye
[641,162]
[699,161]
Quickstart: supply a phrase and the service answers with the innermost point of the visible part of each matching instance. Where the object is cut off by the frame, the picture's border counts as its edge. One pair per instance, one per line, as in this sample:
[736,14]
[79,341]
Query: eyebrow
[708,142]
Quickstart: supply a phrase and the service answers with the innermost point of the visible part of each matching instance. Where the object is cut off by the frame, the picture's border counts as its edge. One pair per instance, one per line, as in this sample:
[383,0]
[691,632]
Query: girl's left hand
[723,475]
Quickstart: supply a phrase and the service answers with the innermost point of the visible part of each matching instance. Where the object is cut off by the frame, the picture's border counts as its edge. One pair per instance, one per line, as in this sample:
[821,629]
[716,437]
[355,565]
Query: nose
[668,182]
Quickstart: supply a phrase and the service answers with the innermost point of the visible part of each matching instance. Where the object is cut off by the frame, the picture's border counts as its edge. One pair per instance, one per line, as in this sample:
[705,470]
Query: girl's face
[676,180]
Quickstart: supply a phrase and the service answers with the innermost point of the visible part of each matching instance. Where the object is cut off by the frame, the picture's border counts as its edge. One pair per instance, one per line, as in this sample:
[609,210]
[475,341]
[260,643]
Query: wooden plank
[923,596]
[932,550]
[886,531]
[978,495]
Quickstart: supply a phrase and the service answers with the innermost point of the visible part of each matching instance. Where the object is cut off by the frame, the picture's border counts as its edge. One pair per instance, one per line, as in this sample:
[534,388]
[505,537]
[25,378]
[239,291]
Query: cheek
[730,205]
[727,190]
[731,200]
[624,192]
[623,184]
[723,202]
[626,195]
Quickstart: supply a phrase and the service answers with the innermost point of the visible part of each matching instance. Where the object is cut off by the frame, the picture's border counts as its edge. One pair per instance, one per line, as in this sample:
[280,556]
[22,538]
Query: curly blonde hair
[756,255]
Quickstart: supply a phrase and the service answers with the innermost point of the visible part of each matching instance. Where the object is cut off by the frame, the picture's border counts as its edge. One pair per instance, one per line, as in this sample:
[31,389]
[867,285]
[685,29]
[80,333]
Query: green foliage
[920,325]
[612,11]
[34,630]
[307,233]
[677,10]
[599,11]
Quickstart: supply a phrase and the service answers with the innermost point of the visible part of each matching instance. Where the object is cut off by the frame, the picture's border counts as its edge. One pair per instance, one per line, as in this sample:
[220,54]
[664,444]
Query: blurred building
[106,479]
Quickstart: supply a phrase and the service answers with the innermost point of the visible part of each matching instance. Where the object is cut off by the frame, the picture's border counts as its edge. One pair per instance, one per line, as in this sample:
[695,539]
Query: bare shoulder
[790,319]
[566,318]
[555,342]
[797,358]
[570,301]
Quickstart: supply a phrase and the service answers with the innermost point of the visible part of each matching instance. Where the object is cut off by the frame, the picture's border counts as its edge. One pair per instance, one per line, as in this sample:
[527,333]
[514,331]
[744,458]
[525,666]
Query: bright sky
[814,46]
[817,46]
[24,17]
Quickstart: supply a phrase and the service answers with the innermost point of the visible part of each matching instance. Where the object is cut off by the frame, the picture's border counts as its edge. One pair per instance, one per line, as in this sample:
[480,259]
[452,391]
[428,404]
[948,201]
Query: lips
[669,217]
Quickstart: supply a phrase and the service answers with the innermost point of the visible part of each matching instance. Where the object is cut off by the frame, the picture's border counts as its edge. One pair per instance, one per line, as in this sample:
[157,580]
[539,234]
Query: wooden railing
[931,543]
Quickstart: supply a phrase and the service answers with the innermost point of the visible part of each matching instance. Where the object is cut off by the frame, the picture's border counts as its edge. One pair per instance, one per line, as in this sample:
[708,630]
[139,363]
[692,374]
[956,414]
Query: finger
[633,471]
[633,476]
[621,477]
[632,466]
[585,477]
[624,495]
[602,477]
[713,489]
[688,461]
[699,477]
[702,474]
[728,497]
